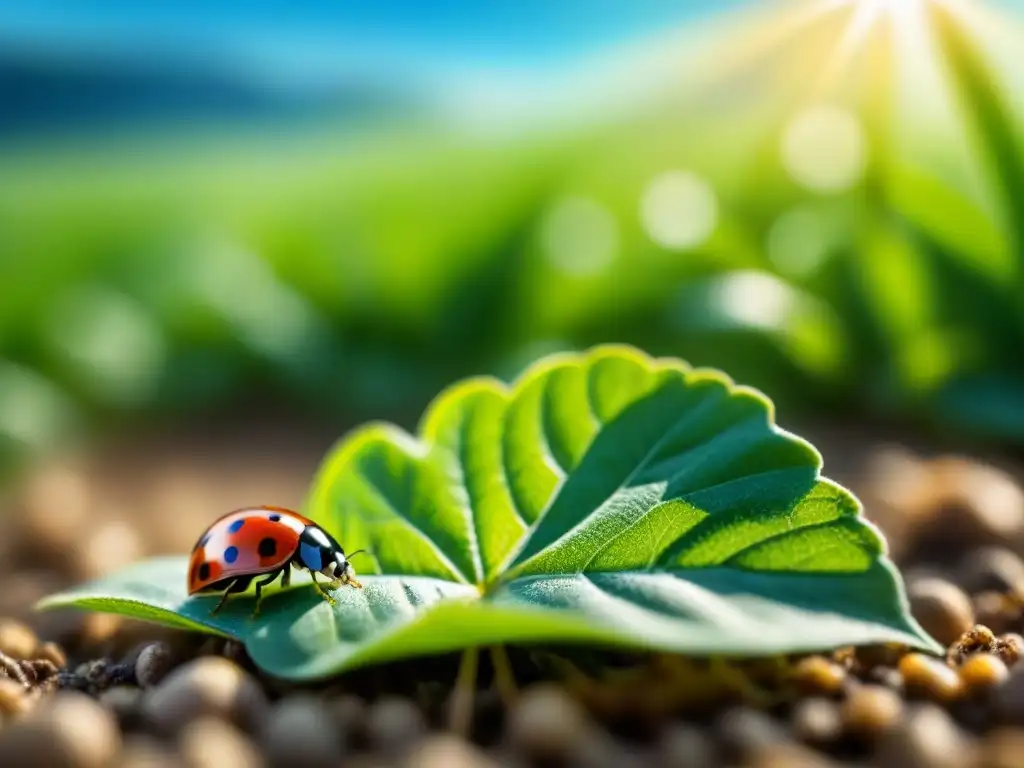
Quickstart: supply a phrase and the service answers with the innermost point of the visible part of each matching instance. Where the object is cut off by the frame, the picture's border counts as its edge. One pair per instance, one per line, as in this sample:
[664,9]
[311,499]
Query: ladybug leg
[259,590]
[286,578]
[224,598]
[320,588]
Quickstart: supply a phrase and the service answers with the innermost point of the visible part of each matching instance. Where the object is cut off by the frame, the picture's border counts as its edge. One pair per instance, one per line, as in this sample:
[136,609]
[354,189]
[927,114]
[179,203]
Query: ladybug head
[321,553]
[337,567]
[340,569]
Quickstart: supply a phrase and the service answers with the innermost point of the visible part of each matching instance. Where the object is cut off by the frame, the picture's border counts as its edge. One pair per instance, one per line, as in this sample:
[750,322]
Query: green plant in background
[605,498]
[988,392]
[887,283]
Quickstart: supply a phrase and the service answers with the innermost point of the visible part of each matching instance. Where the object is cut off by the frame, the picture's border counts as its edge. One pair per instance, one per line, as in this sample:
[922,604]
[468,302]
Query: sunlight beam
[904,18]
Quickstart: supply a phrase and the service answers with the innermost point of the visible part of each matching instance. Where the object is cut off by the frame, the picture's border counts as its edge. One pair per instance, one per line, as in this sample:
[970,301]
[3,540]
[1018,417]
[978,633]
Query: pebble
[982,505]
[373,761]
[992,569]
[870,710]
[890,677]
[301,731]
[233,651]
[996,610]
[23,589]
[981,672]
[929,678]
[744,732]
[896,485]
[941,608]
[686,746]
[52,653]
[446,751]
[349,713]
[70,730]
[1002,748]
[871,656]
[602,750]
[206,686]
[816,675]
[393,723]
[926,738]
[17,640]
[14,699]
[209,742]
[56,503]
[1008,698]
[125,701]
[109,546]
[100,630]
[817,721]
[788,756]
[218,715]
[942,508]
[547,723]
[147,752]
[153,663]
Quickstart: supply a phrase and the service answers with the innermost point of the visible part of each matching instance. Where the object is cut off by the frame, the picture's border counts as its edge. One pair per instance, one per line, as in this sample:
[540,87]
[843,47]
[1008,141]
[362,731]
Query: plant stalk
[460,714]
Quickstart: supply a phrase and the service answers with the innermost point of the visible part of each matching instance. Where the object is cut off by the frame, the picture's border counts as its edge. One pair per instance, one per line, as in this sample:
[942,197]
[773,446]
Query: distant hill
[44,93]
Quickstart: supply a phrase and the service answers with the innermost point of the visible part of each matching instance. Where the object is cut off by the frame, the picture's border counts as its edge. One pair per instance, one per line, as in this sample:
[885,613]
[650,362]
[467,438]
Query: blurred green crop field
[852,255]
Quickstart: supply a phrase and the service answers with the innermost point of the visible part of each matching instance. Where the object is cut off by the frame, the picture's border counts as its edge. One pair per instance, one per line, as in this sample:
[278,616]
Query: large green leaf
[605,498]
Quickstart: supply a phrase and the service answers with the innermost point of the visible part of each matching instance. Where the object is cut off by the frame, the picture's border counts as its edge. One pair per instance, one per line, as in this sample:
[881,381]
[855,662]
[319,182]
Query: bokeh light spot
[824,149]
[753,299]
[117,349]
[679,210]
[32,411]
[797,242]
[580,237]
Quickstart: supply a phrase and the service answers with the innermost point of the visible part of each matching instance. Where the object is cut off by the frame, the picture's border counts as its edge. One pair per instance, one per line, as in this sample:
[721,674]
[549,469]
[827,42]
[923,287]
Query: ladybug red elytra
[265,541]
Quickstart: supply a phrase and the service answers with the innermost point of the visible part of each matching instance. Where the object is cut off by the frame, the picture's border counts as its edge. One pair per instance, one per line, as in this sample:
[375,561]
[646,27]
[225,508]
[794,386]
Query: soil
[93,690]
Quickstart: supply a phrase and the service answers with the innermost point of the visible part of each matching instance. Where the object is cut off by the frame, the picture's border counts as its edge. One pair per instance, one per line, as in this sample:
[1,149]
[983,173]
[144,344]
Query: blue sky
[498,33]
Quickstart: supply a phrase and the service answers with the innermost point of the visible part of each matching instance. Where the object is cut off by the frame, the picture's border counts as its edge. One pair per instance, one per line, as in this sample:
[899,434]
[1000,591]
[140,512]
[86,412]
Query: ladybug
[265,542]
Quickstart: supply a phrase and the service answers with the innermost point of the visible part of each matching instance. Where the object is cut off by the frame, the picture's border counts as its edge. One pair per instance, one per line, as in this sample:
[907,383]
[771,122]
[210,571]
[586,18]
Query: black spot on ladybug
[236,526]
[275,518]
[204,571]
[268,547]
[230,554]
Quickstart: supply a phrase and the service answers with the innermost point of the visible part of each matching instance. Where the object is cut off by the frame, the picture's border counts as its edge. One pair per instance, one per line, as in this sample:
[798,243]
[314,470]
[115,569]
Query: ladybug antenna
[357,552]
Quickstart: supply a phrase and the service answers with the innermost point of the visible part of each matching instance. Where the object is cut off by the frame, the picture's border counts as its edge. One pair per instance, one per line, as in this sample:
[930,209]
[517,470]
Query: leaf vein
[506,479]
[682,419]
[730,561]
[547,430]
[444,559]
[474,518]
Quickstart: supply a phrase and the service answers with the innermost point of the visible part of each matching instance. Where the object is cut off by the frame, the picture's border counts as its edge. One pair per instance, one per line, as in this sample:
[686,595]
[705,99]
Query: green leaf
[987,112]
[606,498]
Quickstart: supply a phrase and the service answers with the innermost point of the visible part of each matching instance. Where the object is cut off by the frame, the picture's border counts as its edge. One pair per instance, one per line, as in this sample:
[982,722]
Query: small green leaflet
[605,498]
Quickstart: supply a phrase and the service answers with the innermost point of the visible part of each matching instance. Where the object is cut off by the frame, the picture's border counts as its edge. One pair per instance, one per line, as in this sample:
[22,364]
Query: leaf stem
[504,677]
[461,710]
